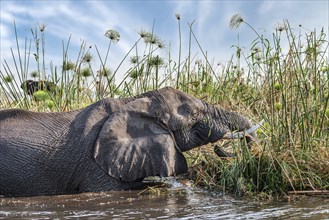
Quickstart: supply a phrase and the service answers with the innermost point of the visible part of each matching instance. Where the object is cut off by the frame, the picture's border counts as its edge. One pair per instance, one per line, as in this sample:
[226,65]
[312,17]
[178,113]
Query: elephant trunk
[219,124]
[230,125]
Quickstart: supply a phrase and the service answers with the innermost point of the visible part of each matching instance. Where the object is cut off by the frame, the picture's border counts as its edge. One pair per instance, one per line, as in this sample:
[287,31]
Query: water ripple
[177,202]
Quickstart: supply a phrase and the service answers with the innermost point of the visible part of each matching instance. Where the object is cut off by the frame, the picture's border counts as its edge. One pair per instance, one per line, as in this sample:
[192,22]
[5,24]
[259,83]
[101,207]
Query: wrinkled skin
[110,145]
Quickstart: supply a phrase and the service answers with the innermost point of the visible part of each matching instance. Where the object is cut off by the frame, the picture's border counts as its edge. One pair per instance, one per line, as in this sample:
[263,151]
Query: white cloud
[4,31]
[88,20]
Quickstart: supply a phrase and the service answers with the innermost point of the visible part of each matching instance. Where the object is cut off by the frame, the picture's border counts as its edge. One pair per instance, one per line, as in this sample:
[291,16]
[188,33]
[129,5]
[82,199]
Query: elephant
[31,86]
[112,144]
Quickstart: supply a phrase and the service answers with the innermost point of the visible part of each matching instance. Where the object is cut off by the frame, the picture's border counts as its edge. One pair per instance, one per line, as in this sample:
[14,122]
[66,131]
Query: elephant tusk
[248,134]
[241,134]
[236,135]
[254,128]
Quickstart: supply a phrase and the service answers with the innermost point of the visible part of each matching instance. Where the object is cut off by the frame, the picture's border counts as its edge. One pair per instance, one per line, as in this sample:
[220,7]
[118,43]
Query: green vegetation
[288,87]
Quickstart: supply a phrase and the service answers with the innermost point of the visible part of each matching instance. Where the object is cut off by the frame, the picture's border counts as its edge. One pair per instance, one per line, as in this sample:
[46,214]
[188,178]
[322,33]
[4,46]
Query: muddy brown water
[173,202]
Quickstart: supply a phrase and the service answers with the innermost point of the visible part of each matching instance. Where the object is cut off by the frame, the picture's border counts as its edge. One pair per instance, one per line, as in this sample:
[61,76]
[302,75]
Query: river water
[175,202]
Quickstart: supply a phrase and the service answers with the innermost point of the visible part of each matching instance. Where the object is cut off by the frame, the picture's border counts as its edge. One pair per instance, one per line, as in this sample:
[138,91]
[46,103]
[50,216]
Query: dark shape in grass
[221,153]
[31,86]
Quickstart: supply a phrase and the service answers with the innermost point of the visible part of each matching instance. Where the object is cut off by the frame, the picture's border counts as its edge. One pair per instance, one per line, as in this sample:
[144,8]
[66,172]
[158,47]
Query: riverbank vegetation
[286,86]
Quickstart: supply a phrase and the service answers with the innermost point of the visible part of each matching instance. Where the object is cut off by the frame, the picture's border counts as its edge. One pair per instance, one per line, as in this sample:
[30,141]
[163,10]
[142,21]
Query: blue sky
[89,20]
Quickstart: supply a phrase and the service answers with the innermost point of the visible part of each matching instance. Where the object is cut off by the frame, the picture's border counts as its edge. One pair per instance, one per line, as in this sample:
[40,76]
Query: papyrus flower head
[113,35]
[236,21]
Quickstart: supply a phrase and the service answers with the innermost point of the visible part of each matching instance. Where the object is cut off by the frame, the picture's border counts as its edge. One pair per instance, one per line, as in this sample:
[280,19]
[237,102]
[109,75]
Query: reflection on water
[176,202]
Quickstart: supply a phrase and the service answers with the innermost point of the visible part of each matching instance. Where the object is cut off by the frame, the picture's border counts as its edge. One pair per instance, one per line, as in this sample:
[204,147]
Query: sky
[87,21]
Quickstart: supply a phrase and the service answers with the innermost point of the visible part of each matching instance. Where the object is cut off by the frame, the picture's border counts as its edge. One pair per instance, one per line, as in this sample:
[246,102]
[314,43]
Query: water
[176,202]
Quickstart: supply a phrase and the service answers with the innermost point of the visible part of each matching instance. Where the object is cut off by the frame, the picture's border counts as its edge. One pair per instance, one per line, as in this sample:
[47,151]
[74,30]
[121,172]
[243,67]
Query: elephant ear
[133,145]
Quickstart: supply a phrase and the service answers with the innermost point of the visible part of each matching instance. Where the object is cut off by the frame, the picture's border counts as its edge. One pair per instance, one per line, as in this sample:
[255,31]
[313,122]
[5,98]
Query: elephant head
[147,136]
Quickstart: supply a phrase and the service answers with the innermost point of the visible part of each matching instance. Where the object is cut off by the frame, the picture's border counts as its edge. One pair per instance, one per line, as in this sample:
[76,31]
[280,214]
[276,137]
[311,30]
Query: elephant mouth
[248,134]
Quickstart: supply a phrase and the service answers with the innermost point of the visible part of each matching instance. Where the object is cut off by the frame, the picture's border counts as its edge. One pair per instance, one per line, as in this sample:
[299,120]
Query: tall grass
[288,87]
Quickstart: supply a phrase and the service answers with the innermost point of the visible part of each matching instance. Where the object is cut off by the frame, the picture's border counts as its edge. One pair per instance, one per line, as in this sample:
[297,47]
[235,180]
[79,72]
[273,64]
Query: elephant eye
[195,115]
